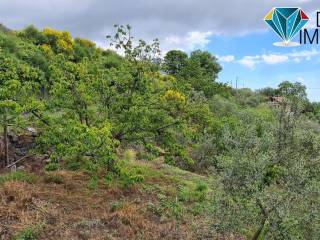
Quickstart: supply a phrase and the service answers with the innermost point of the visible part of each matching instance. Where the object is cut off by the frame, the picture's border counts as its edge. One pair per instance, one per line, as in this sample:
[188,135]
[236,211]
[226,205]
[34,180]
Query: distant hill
[4,29]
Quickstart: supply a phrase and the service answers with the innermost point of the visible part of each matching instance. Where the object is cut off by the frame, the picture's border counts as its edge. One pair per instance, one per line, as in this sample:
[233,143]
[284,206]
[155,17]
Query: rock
[21,168]
[33,131]
[13,138]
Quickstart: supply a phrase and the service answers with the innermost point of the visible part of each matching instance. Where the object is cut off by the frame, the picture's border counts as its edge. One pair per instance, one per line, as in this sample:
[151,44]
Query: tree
[72,90]
[175,62]
[10,110]
[269,92]
[292,90]
[76,143]
[208,63]
[17,93]
[136,88]
[267,175]
[200,70]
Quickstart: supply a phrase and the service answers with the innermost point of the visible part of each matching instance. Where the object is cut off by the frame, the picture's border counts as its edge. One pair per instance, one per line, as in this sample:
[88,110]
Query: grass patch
[93,183]
[17,176]
[167,207]
[30,233]
[116,206]
[53,178]
[196,194]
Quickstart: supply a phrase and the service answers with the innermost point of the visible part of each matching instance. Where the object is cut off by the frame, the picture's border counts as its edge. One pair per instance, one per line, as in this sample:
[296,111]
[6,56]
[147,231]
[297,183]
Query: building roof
[278,99]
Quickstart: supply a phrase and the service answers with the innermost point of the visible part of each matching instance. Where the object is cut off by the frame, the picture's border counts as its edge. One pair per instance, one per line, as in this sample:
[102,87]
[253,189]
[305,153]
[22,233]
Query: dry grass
[70,210]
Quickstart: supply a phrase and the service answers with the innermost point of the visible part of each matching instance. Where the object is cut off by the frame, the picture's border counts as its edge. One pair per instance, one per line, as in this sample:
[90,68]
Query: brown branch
[40,117]
[19,160]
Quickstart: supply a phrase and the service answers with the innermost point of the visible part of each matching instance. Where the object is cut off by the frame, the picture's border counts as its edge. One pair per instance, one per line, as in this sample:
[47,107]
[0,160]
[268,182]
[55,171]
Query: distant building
[276,101]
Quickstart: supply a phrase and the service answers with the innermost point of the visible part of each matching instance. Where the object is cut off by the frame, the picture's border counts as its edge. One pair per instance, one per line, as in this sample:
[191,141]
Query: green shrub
[50,167]
[129,178]
[201,191]
[128,173]
[30,233]
[27,234]
[73,165]
[151,152]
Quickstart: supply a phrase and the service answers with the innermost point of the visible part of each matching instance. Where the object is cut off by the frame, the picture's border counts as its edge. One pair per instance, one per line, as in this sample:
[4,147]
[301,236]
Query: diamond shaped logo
[286,22]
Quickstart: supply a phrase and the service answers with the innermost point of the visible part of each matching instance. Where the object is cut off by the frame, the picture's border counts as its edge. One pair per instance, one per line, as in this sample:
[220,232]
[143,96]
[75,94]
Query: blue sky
[257,63]
[231,29]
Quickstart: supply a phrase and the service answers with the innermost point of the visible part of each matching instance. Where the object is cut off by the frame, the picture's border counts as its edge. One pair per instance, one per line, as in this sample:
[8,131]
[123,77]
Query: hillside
[97,145]
[169,204]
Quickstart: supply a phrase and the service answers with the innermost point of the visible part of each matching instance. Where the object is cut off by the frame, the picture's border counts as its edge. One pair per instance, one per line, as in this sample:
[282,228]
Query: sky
[233,30]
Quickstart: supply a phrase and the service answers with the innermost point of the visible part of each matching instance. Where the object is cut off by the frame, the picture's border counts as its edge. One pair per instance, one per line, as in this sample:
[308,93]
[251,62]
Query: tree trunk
[5,139]
[259,230]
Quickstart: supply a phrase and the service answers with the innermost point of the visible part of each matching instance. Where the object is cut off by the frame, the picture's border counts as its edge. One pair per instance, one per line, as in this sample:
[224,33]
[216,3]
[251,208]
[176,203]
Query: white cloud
[178,21]
[189,42]
[274,58]
[198,39]
[249,61]
[277,58]
[304,55]
[227,58]
[300,79]
[297,60]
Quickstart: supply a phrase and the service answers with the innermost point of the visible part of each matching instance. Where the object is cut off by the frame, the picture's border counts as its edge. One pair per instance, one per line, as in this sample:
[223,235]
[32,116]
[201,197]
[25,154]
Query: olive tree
[268,175]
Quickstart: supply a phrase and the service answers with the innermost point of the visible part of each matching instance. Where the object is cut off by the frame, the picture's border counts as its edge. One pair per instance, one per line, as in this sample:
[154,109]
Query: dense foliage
[87,103]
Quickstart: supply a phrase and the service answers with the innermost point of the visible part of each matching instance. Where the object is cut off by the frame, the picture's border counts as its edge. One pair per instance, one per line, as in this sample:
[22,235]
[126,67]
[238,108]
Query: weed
[201,191]
[116,206]
[198,194]
[167,207]
[30,233]
[93,183]
[129,155]
[198,209]
[17,176]
[50,178]
[109,179]
[130,178]
[27,234]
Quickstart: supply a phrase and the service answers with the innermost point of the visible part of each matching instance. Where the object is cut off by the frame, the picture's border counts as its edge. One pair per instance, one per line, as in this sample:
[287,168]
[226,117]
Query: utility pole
[237,83]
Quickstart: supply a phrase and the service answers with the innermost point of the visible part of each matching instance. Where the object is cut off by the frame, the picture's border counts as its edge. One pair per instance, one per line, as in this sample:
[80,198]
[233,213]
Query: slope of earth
[168,204]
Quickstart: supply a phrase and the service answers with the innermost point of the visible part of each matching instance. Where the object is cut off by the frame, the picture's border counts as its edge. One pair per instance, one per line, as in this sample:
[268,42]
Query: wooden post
[5,139]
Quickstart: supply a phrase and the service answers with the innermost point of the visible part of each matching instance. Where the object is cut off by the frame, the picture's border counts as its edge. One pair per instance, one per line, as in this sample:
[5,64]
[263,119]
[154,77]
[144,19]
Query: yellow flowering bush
[85,42]
[47,49]
[62,41]
[174,96]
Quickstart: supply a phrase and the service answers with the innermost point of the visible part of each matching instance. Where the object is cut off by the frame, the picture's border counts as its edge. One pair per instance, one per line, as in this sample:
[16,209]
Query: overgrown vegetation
[89,104]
